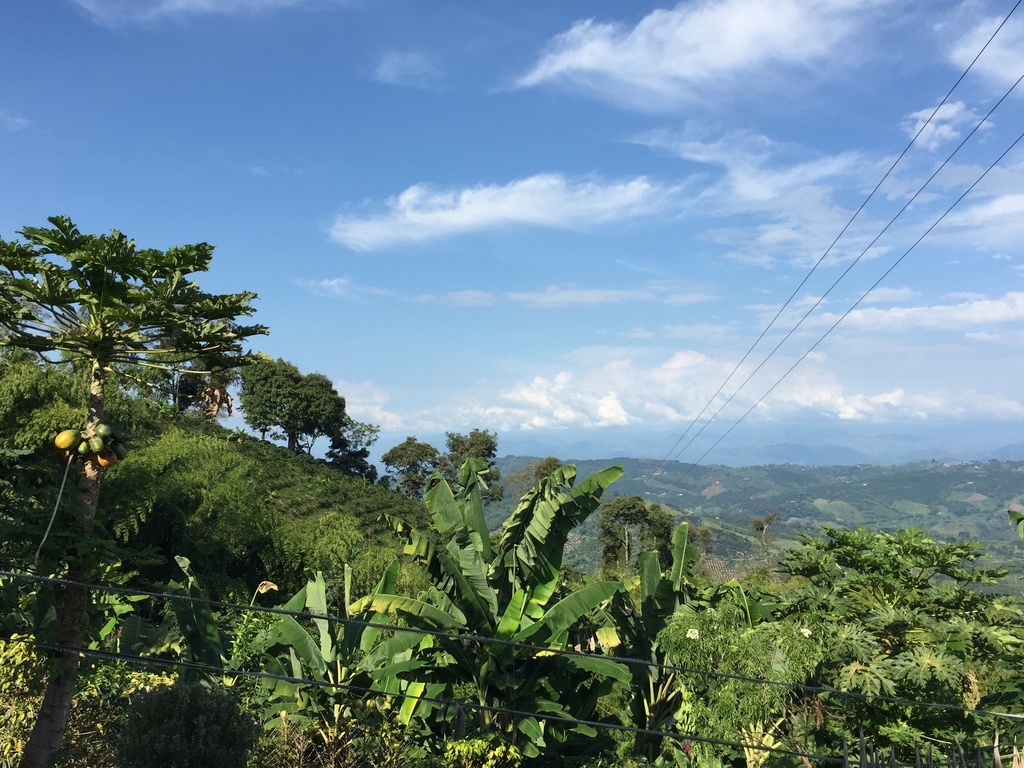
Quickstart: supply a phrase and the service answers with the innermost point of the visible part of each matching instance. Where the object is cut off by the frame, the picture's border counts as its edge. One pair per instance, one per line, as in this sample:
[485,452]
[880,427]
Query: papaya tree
[904,616]
[109,307]
[509,595]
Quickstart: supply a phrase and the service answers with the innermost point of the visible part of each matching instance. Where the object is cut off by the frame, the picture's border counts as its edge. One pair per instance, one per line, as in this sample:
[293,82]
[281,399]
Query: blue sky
[557,220]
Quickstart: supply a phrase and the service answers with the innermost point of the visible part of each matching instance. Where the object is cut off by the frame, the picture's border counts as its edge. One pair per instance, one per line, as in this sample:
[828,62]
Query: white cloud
[639,332]
[343,288]
[408,68]
[552,297]
[422,212]
[698,48]
[1003,60]
[707,332]
[116,13]
[469,298]
[645,388]
[757,168]
[1008,309]
[787,189]
[365,401]
[944,126]
[998,219]
[890,295]
[12,121]
[572,296]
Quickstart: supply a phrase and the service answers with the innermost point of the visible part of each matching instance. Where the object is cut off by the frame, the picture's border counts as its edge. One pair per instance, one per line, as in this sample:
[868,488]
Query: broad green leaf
[512,618]
[570,609]
[316,602]
[1017,519]
[413,608]
[604,667]
[442,504]
[412,700]
[289,633]
[195,619]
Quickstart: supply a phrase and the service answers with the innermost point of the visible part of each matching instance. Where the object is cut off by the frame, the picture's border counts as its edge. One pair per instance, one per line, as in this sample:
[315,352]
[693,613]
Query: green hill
[954,500]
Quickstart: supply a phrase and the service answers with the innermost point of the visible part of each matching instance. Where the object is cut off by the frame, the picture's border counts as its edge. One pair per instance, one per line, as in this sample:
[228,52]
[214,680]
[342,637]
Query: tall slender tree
[101,301]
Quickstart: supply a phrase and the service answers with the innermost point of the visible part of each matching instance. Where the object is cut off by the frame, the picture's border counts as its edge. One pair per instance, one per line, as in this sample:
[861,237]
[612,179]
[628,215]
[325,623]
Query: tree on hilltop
[412,462]
[279,400]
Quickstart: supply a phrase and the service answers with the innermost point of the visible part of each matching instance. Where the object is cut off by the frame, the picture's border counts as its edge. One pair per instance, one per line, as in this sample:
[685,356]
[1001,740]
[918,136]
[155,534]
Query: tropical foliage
[360,625]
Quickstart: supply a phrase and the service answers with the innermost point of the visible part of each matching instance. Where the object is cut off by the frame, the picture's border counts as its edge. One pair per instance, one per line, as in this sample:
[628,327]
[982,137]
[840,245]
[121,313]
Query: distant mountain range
[817,444]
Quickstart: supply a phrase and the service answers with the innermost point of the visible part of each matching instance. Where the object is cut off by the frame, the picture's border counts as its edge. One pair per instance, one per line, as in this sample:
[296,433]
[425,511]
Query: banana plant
[508,595]
[343,658]
[658,701]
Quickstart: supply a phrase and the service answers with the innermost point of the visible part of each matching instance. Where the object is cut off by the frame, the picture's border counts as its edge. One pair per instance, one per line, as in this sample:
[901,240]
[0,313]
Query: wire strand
[483,640]
[669,455]
[857,260]
[459,704]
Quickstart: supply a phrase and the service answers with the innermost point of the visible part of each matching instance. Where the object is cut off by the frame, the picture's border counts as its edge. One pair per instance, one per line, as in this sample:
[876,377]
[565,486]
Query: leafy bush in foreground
[185,726]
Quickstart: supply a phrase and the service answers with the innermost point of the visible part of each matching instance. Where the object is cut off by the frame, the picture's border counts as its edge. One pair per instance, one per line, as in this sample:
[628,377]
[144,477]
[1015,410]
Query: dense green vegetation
[581,614]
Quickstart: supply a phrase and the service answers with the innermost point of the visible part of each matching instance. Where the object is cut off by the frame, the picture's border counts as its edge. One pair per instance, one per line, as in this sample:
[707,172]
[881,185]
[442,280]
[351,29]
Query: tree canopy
[412,462]
[281,401]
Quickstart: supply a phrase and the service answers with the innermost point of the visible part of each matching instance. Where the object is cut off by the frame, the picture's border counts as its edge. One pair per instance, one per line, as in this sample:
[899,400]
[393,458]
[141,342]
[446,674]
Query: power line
[446,703]
[859,301]
[757,341]
[845,272]
[483,640]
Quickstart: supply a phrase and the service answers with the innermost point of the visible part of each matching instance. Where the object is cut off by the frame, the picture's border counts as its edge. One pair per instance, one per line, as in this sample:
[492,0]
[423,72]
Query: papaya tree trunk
[52,722]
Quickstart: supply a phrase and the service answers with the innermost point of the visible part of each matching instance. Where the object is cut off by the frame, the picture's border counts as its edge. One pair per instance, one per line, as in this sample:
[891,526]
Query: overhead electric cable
[852,264]
[757,341]
[450,703]
[856,303]
[504,642]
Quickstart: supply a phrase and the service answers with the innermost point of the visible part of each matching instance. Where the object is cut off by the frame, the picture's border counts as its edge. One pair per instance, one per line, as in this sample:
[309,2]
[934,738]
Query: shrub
[185,726]
[23,667]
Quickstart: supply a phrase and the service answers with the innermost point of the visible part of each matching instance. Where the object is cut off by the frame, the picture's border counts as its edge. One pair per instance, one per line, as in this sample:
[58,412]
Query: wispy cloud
[408,68]
[788,189]
[945,126]
[675,56]
[466,298]
[706,332]
[12,121]
[551,297]
[995,221]
[423,212]
[573,296]
[1003,60]
[117,13]
[365,401]
[955,317]
[890,295]
[343,288]
[757,168]
[558,297]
